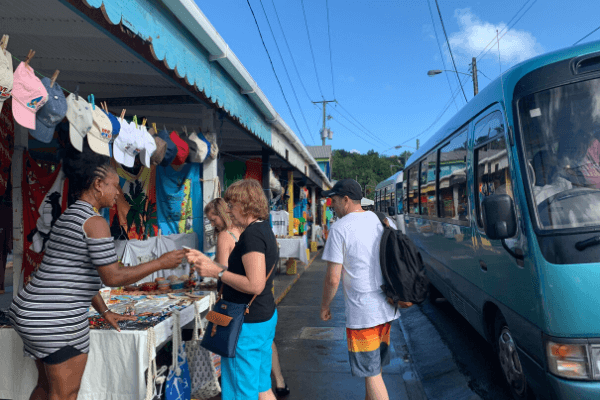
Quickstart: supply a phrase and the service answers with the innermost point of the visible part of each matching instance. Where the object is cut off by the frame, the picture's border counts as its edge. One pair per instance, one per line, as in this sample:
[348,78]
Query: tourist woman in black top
[50,313]
[248,375]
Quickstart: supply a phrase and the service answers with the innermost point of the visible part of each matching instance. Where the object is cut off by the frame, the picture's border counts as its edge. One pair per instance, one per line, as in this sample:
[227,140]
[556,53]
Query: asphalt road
[472,354]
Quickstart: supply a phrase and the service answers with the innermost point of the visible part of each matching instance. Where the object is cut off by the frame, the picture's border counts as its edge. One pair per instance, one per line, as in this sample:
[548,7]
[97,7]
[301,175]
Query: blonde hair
[251,197]
[218,207]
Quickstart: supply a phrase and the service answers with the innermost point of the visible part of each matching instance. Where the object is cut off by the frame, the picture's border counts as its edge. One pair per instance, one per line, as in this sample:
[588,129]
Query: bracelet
[104,312]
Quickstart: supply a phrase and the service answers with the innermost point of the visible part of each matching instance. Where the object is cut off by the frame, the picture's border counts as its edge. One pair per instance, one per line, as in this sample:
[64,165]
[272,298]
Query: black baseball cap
[345,187]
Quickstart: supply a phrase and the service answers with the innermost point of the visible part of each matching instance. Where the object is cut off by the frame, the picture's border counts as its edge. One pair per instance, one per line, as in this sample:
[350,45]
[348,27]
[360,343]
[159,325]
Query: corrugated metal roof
[319,151]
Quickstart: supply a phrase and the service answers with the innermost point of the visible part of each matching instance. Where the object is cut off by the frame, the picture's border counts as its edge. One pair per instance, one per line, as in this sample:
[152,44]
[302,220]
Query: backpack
[403,270]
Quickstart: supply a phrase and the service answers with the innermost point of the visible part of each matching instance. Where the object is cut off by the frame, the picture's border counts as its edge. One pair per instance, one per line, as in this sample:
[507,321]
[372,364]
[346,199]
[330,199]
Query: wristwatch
[221,274]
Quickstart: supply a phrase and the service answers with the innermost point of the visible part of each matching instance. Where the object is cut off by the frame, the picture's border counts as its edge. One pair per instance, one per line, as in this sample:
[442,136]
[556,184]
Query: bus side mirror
[499,217]
[391,211]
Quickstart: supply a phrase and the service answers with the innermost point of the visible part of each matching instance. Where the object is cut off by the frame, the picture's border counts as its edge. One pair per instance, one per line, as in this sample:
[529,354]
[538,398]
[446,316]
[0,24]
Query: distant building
[322,155]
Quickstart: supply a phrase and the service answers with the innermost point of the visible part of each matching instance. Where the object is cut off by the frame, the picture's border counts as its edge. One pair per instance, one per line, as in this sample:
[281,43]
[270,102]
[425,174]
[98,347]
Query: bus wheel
[506,349]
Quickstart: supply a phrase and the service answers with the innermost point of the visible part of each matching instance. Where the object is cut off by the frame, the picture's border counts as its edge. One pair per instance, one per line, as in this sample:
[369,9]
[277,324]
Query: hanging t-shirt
[50,209]
[36,182]
[354,242]
[135,208]
[179,200]
[281,222]
[7,139]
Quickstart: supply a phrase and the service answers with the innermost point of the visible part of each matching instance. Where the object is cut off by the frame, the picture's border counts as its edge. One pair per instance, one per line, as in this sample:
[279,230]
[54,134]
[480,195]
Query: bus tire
[506,351]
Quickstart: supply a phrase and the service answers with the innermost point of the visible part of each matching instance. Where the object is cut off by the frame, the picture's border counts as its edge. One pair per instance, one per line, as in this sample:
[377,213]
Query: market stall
[117,361]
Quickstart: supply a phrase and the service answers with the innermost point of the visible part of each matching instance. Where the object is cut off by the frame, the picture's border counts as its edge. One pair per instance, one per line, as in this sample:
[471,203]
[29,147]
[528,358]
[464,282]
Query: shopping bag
[178,379]
[154,377]
[205,380]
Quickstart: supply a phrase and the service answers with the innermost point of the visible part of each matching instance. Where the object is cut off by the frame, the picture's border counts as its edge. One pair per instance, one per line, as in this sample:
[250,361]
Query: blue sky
[381,52]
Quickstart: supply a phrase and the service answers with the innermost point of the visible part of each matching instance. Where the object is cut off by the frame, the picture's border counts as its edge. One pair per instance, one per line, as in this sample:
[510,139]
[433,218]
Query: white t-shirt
[392,223]
[281,221]
[354,242]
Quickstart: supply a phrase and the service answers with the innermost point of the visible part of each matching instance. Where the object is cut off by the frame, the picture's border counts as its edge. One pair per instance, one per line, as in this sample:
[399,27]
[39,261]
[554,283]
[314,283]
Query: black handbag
[225,323]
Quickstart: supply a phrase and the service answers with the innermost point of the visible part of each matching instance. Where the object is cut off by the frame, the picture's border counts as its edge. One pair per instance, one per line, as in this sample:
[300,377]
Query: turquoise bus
[388,198]
[504,204]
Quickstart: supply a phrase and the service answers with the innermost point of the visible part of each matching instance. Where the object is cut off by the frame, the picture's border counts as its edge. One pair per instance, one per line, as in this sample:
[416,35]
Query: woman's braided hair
[83,168]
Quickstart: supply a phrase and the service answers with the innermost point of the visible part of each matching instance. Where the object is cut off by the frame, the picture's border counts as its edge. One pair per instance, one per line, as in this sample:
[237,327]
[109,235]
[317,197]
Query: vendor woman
[50,313]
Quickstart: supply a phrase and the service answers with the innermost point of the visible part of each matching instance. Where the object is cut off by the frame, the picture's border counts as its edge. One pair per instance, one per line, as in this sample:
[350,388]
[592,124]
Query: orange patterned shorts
[368,349]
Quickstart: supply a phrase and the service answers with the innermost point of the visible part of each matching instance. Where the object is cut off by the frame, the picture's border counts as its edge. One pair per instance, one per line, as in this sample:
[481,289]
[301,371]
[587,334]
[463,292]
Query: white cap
[148,147]
[81,119]
[128,144]
[6,76]
[101,133]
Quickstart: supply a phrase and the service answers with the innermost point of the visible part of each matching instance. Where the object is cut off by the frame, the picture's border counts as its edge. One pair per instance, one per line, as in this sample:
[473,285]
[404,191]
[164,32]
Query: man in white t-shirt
[352,252]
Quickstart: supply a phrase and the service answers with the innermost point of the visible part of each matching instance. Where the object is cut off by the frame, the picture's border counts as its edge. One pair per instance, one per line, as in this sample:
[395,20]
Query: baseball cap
[116,126]
[51,113]
[148,148]
[127,145]
[29,94]
[171,148]
[81,119]
[161,148]
[345,187]
[183,149]
[6,76]
[198,149]
[100,135]
[208,143]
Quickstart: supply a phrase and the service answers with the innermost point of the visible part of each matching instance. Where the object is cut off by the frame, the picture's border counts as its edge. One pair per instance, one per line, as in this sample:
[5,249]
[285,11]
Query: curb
[286,291]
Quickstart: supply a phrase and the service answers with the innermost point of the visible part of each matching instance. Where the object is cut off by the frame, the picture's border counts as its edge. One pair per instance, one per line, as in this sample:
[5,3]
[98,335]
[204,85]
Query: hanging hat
[149,146]
[81,119]
[51,113]
[100,135]
[161,150]
[183,149]
[198,149]
[128,144]
[6,76]
[171,148]
[29,94]
[116,126]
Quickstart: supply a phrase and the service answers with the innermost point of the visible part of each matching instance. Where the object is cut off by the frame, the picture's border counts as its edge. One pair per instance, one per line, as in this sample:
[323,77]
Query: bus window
[492,175]
[413,191]
[399,198]
[392,198]
[488,127]
[428,167]
[453,179]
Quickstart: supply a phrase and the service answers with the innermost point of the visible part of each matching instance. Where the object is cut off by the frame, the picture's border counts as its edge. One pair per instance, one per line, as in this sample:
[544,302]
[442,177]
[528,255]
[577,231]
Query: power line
[437,39]
[290,51]
[356,134]
[330,53]
[275,72]
[586,36]
[311,49]
[359,128]
[286,72]
[450,50]
[351,116]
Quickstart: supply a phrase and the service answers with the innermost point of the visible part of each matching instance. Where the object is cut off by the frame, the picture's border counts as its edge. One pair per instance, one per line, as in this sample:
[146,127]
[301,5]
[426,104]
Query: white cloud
[475,35]
[355,151]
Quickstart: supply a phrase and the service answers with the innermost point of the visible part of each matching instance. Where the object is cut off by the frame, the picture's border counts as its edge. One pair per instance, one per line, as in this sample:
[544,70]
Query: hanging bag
[205,380]
[225,323]
[178,380]
[154,377]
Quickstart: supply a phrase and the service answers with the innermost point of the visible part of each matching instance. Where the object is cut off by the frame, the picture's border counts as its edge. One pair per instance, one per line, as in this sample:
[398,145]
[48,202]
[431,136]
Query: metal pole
[324,104]
[475,83]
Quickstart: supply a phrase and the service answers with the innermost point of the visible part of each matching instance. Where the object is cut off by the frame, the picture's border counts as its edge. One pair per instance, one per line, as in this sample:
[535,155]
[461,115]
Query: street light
[434,72]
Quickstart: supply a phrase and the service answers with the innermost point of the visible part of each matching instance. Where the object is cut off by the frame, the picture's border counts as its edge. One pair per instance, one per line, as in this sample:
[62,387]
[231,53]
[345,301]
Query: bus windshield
[561,136]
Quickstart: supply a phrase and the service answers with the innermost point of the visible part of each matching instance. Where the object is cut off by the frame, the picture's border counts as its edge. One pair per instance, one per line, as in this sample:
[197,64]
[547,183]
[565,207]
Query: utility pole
[475,83]
[418,144]
[324,105]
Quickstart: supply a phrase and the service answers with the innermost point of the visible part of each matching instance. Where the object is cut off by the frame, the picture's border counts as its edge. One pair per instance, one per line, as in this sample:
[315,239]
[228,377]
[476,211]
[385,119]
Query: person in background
[227,236]
[50,314]
[247,376]
[352,255]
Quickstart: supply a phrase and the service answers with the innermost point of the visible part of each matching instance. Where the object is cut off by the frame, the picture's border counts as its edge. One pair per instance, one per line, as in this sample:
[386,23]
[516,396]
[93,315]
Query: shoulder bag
[225,323]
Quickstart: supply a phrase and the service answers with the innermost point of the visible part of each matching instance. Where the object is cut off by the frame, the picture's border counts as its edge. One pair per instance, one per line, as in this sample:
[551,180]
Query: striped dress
[51,312]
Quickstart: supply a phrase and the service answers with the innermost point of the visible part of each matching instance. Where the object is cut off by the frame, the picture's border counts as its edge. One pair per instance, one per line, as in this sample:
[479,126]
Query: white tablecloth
[293,248]
[115,366]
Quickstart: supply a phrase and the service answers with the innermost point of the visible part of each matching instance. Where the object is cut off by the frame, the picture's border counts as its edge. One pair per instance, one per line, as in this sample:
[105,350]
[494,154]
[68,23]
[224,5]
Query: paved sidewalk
[314,353]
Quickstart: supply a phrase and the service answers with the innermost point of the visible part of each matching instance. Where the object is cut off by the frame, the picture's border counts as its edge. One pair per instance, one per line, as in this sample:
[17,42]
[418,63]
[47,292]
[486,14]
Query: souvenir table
[117,361]
[293,248]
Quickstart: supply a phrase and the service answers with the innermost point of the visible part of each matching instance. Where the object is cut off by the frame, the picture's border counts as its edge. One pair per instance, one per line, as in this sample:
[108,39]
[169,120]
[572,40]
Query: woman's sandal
[282,392]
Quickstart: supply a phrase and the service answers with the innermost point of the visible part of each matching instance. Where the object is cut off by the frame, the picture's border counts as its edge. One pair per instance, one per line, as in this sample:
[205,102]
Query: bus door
[503,277]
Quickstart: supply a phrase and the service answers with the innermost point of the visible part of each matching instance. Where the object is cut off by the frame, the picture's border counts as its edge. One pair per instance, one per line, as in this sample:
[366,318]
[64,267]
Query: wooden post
[21,141]
[290,191]
[313,211]
[210,177]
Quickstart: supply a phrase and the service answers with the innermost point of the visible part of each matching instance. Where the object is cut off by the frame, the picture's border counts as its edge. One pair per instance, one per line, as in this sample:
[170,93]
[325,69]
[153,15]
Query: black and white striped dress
[51,312]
